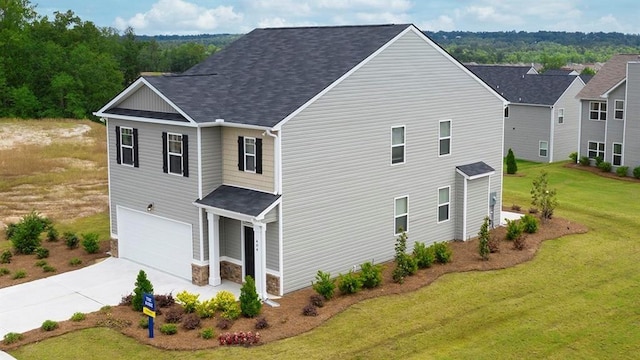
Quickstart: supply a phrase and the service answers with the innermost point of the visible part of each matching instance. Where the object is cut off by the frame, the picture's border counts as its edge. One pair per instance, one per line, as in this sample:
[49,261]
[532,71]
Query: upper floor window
[506,112]
[127,146]
[443,203]
[397,145]
[597,110]
[596,150]
[561,116]
[617,154]
[444,137]
[543,148]
[175,154]
[401,215]
[250,154]
[618,113]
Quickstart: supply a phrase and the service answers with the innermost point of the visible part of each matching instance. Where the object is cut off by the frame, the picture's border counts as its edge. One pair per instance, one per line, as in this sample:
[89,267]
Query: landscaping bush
[206,309]
[190,321]
[232,312]
[406,265]
[239,338]
[494,244]
[188,300]
[90,243]
[71,240]
[542,197]
[164,301]
[370,275]
[310,310]
[48,268]
[75,262]
[250,303]
[4,271]
[224,300]
[515,207]
[52,234]
[599,161]
[9,230]
[316,300]
[349,283]
[423,254]
[514,229]
[5,257]
[622,171]
[529,224]
[636,172]
[144,322]
[605,166]
[10,338]
[19,274]
[584,161]
[533,210]
[442,252]
[261,323]
[143,285]
[49,325]
[174,315]
[574,157]
[78,316]
[512,166]
[519,243]
[224,324]
[41,263]
[169,329]
[42,252]
[324,285]
[125,300]
[207,333]
[483,237]
[106,309]
[25,236]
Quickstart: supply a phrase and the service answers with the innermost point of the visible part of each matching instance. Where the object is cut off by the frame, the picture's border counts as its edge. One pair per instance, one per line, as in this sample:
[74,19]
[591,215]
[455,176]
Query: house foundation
[114,247]
[199,275]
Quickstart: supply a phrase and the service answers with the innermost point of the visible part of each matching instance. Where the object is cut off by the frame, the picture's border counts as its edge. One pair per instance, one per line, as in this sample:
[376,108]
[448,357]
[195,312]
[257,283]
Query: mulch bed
[597,171]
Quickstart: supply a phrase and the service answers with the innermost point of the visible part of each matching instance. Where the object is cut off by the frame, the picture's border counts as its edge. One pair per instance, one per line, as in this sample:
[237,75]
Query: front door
[249,252]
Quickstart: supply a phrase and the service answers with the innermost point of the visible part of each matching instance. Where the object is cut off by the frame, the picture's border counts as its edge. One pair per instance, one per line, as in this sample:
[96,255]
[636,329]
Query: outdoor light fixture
[150,207]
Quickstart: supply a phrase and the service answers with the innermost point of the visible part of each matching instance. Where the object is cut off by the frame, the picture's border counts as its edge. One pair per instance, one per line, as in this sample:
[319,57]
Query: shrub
[519,243]
[483,237]
[584,161]
[48,268]
[224,324]
[4,271]
[5,257]
[75,262]
[144,322]
[78,316]
[224,300]
[574,157]
[514,229]
[174,315]
[207,333]
[125,300]
[316,300]
[512,166]
[10,338]
[206,309]
[164,301]
[239,338]
[188,300]
[26,234]
[324,285]
[599,161]
[52,234]
[349,283]
[190,321]
[542,197]
[636,172]
[143,285]
[442,252]
[370,275]
[494,244]
[515,207]
[310,310]
[9,230]
[90,243]
[232,312]
[105,309]
[529,224]
[71,240]
[49,325]
[42,252]
[169,329]
[423,254]
[261,323]
[41,263]
[19,274]
[250,303]
[622,171]
[533,210]
[605,166]
[406,265]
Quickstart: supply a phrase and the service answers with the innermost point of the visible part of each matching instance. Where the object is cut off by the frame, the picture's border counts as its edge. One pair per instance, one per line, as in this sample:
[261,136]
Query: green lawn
[578,299]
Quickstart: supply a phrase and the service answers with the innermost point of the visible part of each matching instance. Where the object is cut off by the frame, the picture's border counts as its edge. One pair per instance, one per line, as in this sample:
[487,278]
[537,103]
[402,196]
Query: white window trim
[561,115]
[123,146]
[396,215]
[599,111]
[598,149]
[540,148]
[246,154]
[613,153]
[404,145]
[440,138]
[439,205]
[615,109]
[169,154]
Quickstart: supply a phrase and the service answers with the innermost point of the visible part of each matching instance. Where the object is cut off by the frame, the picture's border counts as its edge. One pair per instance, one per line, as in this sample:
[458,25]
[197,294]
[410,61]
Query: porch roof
[238,200]
[475,170]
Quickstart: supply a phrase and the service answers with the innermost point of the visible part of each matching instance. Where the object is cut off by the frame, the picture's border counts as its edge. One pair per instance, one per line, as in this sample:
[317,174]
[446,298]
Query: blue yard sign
[149,309]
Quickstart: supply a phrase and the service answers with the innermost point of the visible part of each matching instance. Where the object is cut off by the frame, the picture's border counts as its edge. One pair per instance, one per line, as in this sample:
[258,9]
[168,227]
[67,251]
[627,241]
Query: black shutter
[118,158]
[165,167]
[185,156]
[259,156]
[241,153]
[136,163]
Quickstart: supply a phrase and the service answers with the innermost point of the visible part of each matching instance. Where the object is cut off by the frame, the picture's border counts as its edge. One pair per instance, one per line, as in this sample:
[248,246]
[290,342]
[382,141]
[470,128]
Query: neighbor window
[443,203]
[127,146]
[543,148]
[619,110]
[506,112]
[561,116]
[444,137]
[401,215]
[596,150]
[597,110]
[617,154]
[397,145]
[175,147]
[249,154]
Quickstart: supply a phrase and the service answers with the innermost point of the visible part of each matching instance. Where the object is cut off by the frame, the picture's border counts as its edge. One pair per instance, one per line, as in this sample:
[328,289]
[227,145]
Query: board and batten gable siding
[231,175]
[631,146]
[338,182]
[591,130]
[525,127]
[565,136]
[172,196]
[147,100]
[614,128]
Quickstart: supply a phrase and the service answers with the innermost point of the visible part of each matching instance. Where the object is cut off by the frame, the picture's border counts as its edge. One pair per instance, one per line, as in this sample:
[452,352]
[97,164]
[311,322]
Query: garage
[154,241]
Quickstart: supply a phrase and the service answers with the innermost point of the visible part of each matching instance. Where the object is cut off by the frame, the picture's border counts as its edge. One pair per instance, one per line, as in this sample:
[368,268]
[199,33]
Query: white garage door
[154,241]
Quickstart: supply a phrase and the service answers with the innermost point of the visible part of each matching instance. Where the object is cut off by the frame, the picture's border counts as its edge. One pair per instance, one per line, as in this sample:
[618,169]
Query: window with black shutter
[127,146]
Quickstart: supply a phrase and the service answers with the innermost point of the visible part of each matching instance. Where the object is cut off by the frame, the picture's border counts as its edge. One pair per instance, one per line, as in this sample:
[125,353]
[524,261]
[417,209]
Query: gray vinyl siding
[273,255]
[591,130]
[211,159]
[459,206]
[631,144]
[477,204]
[525,127]
[231,238]
[146,99]
[338,183]
[135,188]
[615,128]
[565,136]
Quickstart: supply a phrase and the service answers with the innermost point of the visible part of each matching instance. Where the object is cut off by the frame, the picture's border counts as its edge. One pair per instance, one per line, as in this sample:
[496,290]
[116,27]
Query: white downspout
[552,130]
[277,163]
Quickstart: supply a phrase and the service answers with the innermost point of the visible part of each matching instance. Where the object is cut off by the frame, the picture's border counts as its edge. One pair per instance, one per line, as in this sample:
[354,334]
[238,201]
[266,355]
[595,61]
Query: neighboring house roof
[239,200]
[560,72]
[611,74]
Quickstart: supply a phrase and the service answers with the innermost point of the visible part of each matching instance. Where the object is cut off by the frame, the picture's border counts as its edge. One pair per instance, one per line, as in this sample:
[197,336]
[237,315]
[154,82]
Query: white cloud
[442,23]
[381,18]
[387,5]
[281,22]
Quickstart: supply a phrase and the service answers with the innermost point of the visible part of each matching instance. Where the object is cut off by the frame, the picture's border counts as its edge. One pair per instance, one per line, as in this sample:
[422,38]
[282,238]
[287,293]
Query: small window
[401,215]
[127,146]
[443,204]
[561,116]
[506,112]
[249,154]
[175,153]
[596,150]
[598,110]
[444,137]
[543,148]
[397,145]
[619,110]
[617,154]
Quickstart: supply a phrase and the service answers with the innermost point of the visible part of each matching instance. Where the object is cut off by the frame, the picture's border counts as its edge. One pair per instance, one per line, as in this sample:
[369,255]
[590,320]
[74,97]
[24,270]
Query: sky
[186,17]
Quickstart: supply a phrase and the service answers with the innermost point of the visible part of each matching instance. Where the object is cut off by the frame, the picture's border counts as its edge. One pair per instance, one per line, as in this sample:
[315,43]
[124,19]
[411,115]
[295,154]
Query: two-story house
[610,108]
[542,119]
[295,150]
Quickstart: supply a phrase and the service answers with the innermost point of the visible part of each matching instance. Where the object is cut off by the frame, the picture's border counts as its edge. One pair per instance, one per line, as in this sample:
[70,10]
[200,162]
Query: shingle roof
[475,169]
[148,114]
[239,200]
[611,73]
[268,73]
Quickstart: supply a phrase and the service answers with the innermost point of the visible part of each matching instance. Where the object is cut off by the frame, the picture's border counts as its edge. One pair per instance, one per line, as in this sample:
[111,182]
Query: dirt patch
[287,320]
[12,135]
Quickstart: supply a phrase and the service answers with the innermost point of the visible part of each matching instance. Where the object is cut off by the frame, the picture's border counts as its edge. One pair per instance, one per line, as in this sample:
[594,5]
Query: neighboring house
[610,113]
[295,150]
[542,119]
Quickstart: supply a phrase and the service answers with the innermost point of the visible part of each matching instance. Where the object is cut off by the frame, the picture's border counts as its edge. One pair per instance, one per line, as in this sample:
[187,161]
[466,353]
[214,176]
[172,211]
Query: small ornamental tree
[405,263]
[483,246]
[143,286]
[250,303]
[543,198]
[512,166]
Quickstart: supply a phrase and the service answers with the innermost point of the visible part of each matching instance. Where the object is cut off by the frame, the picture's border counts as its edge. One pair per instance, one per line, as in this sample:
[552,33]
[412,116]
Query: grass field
[578,299]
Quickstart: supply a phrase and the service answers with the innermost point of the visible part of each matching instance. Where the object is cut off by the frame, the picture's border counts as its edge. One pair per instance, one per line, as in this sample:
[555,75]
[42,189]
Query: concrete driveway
[26,306]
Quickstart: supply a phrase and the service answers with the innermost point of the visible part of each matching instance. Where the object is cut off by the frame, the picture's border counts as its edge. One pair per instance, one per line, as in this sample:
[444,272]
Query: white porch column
[214,249]
[260,244]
